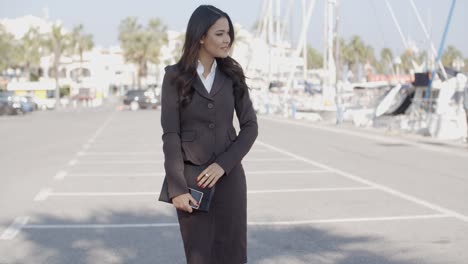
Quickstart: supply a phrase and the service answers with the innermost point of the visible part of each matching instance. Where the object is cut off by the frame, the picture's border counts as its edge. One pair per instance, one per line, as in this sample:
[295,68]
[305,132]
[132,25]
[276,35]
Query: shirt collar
[201,69]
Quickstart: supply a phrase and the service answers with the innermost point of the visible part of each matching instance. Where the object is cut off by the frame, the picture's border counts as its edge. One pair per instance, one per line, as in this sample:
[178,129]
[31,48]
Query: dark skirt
[219,236]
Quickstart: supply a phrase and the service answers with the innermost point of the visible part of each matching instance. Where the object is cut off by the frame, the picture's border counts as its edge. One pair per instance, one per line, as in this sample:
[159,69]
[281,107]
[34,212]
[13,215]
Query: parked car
[28,103]
[10,104]
[32,102]
[3,106]
[141,99]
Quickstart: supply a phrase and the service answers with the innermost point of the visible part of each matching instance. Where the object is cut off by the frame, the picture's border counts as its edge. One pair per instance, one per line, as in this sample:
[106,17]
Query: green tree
[177,52]
[30,52]
[386,54]
[314,58]
[7,49]
[57,43]
[369,55]
[284,31]
[411,60]
[407,60]
[386,61]
[80,42]
[142,45]
[356,52]
[422,57]
[449,55]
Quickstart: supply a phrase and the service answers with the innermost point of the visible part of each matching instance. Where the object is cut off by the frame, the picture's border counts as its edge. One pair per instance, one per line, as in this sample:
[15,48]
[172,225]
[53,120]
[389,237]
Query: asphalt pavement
[81,186]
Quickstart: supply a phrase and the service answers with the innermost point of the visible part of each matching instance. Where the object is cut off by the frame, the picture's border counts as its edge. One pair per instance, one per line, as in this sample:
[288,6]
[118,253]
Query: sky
[368,18]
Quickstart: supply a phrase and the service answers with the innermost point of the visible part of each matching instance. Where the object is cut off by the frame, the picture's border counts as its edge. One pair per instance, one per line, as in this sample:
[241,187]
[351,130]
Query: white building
[104,70]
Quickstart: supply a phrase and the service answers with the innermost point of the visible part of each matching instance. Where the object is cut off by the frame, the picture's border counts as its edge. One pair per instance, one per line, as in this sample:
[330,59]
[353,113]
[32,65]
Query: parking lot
[82,187]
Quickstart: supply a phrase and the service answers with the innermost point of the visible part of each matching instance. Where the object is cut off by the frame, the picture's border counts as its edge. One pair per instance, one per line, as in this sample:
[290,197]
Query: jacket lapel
[200,88]
[218,82]
[217,85]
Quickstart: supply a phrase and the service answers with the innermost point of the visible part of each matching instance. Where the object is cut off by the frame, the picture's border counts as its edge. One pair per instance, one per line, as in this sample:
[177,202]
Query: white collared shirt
[208,82]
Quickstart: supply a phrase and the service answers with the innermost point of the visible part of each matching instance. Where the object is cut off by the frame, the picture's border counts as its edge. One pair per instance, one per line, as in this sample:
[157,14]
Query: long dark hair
[201,20]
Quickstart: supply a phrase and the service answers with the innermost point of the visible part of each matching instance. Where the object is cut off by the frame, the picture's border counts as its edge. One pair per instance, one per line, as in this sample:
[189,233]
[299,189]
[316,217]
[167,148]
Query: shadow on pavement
[150,244]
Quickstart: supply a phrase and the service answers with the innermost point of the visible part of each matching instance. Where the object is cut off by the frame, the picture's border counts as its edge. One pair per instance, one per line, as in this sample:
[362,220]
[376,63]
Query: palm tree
[259,23]
[142,45]
[58,42]
[369,55]
[449,55]
[177,52]
[7,44]
[386,55]
[314,58]
[386,60]
[422,61]
[407,59]
[356,52]
[30,52]
[80,43]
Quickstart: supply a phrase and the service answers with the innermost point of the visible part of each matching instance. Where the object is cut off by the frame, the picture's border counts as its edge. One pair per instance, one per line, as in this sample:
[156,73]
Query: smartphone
[197,195]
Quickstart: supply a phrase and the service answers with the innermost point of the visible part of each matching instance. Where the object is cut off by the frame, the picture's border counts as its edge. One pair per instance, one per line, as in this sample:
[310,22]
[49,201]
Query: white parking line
[86,162]
[250,223]
[161,174]
[82,226]
[14,228]
[268,159]
[254,150]
[380,138]
[43,194]
[350,220]
[46,193]
[341,189]
[386,189]
[129,144]
[127,153]
[60,175]
[105,175]
[72,162]
[101,128]
[288,172]
[120,153]
[49,194]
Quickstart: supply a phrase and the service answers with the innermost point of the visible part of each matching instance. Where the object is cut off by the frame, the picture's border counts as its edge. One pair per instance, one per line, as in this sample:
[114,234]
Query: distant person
[199,96]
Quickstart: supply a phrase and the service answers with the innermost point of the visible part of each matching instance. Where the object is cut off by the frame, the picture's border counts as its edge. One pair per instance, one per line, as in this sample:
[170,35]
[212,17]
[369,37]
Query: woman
[199,96]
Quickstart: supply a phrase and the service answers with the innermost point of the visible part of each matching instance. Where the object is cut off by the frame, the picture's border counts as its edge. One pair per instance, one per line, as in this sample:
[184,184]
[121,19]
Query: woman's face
[217,41]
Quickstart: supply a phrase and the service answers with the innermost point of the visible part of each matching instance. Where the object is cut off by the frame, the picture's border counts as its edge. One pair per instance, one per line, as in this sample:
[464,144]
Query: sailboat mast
[390,9]
[328,90]
[418,16]
[441,47]
[304,44]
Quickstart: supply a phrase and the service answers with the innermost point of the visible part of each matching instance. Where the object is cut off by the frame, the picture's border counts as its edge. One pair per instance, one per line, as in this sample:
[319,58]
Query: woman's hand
[181,202]
[210,175]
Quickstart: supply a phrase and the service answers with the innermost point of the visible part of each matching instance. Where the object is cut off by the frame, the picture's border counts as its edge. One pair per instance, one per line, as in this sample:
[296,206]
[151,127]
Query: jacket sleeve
[247,134]
[170,123]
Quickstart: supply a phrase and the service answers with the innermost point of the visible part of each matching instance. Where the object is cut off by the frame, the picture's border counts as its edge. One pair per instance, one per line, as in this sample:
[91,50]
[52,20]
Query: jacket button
[210,105]
[211,125]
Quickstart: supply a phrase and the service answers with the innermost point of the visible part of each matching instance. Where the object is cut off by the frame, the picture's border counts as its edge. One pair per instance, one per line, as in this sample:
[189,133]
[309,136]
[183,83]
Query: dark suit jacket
[204,129]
